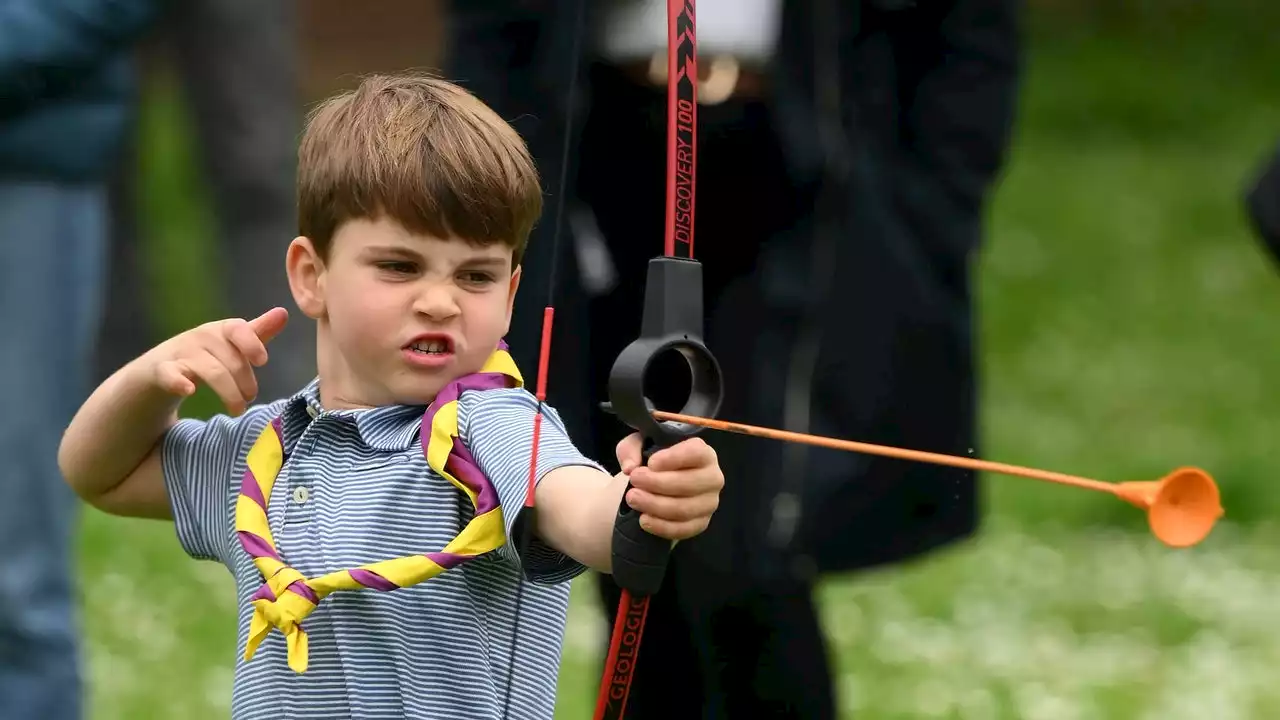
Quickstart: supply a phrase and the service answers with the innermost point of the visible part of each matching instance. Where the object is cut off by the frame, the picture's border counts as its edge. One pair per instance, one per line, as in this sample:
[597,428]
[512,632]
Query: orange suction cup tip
[1181,508]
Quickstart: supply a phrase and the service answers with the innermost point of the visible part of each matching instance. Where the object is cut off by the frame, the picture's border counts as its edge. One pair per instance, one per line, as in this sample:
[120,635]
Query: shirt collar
[388,429]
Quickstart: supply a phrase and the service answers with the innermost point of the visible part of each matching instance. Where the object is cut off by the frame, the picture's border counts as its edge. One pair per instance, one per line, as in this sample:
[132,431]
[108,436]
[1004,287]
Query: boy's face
[401,315]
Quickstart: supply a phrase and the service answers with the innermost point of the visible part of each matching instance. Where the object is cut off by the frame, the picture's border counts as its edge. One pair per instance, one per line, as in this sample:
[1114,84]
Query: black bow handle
[668,354]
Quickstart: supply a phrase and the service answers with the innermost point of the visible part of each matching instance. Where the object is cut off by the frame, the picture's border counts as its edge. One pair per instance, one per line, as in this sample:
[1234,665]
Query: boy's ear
[306,277]
[511,295]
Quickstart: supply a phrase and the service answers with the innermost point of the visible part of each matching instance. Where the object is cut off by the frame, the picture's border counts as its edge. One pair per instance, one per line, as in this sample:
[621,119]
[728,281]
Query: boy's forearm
[114,431]
[577,508]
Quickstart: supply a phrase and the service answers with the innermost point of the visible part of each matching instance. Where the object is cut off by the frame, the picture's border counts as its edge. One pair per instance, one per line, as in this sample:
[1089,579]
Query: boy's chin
[419,392]
[417,395]
[421,388]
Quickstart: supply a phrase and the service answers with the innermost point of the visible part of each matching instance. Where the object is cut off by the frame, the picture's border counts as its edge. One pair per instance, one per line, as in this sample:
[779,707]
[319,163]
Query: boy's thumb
[269,324]
[629,452]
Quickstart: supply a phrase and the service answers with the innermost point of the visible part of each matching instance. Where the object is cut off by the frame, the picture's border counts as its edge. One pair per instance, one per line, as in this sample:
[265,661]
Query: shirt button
[300,495]
[312,412]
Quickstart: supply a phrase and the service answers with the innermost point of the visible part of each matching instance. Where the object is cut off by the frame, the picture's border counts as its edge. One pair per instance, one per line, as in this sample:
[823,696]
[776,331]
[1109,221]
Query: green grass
[1127,327]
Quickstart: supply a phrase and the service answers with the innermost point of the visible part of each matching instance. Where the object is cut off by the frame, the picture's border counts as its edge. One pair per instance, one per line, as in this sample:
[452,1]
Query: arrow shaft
[967,463]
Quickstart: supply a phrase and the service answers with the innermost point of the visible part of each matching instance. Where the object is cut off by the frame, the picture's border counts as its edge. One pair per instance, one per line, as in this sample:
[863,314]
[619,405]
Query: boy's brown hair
[422,151]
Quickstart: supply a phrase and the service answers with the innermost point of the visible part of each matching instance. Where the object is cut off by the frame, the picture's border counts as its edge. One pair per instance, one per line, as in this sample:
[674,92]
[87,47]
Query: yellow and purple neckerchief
[286,598]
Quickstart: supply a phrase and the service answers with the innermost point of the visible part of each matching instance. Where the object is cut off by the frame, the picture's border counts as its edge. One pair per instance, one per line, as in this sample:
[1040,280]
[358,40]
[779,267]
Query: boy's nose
[436,303]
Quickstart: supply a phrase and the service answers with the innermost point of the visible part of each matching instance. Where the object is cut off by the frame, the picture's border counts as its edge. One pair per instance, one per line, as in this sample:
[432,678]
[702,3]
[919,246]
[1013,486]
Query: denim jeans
[51,275]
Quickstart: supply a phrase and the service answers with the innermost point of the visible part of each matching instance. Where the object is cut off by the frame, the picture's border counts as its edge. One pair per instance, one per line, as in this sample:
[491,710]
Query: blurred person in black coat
[1262,201]
[837,282]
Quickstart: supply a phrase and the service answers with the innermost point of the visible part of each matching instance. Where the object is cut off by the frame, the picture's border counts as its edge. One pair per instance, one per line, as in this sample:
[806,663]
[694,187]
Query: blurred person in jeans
[836,249]
[236,63]
[66,86]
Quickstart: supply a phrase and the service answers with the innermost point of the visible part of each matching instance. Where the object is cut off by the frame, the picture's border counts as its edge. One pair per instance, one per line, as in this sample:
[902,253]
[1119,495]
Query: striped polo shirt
[356,489]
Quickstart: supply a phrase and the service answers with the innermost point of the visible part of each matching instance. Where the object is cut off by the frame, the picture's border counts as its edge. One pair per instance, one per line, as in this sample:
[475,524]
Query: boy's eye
[476,277]
[398,266]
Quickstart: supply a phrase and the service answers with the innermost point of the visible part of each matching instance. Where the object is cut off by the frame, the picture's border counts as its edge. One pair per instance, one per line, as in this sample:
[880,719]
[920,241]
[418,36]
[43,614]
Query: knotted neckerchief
[286,598]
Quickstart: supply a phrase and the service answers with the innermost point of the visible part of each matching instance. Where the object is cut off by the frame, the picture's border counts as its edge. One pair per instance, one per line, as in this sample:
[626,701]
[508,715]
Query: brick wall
[340,39]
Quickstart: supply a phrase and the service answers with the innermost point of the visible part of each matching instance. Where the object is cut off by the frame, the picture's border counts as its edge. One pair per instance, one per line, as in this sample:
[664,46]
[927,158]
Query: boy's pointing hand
[220,354]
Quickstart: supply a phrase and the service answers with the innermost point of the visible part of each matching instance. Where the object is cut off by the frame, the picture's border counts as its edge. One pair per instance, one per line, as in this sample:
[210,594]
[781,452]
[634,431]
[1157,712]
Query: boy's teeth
[435,346]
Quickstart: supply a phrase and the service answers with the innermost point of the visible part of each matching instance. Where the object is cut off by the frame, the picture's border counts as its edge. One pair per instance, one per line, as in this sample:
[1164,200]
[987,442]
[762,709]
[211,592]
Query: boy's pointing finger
[246,342]
[269,324]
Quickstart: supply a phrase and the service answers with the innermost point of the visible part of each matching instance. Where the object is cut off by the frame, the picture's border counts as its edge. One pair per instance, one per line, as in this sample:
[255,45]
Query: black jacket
[929,95]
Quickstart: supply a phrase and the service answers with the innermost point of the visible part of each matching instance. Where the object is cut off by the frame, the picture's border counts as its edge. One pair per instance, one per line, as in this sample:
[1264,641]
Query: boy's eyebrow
[410,254]
[399,250]
[485,261]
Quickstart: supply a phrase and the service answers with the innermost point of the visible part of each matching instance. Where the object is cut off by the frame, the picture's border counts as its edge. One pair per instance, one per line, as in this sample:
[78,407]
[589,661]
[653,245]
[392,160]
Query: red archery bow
[682,77]
[682,123]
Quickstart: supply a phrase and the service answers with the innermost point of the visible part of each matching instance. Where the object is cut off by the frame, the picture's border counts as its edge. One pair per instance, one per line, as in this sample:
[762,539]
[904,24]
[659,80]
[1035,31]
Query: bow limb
[672,324]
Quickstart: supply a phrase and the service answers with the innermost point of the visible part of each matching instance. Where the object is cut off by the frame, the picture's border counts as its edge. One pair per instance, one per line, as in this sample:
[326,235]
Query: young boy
[367,519]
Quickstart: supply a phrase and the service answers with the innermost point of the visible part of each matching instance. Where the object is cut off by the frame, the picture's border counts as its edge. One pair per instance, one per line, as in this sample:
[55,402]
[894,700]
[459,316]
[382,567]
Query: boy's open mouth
[431,345]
